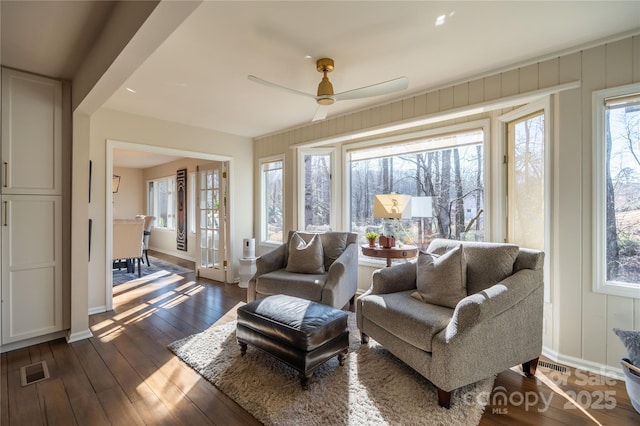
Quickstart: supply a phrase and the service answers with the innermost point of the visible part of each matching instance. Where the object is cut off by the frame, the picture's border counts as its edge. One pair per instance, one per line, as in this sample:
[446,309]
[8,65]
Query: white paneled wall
[578,322]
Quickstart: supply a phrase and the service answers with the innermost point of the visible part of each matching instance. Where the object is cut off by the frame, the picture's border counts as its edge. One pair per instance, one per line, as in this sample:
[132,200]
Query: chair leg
[139,270]
[364,338]
[444,398]
[352,301]
[529,367]
[146,254]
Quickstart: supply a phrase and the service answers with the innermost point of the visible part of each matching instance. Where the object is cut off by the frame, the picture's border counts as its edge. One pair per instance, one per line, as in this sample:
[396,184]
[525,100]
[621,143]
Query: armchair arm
[395,278]
[271,261]
[480,307]
[342,278]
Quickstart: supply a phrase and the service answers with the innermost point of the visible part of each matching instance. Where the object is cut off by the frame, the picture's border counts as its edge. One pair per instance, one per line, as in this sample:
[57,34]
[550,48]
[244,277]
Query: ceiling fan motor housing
[325,88]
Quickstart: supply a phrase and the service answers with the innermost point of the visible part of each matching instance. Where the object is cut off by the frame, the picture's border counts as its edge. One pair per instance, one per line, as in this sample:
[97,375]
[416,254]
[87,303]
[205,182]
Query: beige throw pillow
[305,258]
[441,280]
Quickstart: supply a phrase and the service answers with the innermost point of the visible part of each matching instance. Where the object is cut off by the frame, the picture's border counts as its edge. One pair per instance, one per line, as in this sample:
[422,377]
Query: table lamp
[391,206]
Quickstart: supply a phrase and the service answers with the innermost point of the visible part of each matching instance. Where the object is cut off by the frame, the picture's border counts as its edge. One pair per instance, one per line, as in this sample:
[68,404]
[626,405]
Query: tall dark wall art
[181,183]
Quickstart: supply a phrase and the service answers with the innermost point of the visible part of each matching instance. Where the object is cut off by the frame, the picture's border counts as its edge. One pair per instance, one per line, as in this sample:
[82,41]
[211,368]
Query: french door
[211,220]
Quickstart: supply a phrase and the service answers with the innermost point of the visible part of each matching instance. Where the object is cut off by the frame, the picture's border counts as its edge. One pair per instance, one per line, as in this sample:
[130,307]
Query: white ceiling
[198,76]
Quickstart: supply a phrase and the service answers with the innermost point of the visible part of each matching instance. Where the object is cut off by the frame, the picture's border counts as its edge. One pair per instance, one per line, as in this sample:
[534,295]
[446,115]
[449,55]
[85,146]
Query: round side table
[404,252]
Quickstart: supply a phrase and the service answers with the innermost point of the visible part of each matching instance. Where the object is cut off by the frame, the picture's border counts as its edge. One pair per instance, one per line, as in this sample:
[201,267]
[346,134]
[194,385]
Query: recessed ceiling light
[129,89]
[307,57]
[440,20]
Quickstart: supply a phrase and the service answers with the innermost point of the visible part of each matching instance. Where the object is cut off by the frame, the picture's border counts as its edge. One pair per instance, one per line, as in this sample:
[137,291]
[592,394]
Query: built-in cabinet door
[31,134]
[31,266]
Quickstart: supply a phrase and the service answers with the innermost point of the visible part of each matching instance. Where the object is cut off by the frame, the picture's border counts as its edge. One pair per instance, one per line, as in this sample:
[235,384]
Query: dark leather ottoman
[299,332]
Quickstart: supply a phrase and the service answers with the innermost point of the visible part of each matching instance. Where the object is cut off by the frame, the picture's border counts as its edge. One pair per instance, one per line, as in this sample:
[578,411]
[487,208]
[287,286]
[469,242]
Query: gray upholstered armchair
[334,284]
[497,325]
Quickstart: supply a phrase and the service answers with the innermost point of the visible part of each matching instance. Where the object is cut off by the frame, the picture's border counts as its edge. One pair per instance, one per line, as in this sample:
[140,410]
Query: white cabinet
[31,206]
[31,266]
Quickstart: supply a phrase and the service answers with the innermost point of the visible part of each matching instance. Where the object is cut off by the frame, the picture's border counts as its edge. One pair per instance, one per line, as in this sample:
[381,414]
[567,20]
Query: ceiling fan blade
[378,89]
[321,113]
[277,86]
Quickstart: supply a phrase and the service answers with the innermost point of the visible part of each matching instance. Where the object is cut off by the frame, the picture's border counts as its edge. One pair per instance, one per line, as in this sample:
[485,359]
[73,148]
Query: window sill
[618,289]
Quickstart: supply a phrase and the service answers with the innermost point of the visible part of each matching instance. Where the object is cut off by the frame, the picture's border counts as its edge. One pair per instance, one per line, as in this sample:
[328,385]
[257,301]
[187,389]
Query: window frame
[191,203]
[262,232]
[334,181]
[152,209]
[599,194]
[483,124]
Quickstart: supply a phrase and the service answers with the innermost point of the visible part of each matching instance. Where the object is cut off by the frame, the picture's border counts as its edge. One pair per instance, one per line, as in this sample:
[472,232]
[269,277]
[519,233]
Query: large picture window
[446,172]
[161,202]
[272,202]
[316,190]
[617,205]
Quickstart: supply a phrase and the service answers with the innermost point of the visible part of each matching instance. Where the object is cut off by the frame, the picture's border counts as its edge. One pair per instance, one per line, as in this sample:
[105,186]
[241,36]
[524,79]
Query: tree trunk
[612,233]
[459,221]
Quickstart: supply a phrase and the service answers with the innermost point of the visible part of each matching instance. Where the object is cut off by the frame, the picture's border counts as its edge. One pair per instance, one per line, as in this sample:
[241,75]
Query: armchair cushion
[442,280]
[631,341]
[404,317]
[487,263]
[305,286]
[305,257]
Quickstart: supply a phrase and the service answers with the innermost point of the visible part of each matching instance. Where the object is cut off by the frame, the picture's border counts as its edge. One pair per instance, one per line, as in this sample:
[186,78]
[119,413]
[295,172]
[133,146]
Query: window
[616,185]
[272,202]
[316,190]
[445,170]
[192,203]
[161,202]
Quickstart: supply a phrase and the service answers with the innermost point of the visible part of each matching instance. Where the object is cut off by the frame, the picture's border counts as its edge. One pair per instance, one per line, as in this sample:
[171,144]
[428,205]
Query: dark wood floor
[125,375]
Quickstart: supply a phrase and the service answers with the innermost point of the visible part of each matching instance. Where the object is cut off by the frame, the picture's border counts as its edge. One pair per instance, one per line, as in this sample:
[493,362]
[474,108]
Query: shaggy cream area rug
[372,388]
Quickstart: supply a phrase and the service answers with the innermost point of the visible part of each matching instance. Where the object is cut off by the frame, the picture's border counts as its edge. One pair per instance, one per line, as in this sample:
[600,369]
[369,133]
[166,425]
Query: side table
[404,252]
[247,269]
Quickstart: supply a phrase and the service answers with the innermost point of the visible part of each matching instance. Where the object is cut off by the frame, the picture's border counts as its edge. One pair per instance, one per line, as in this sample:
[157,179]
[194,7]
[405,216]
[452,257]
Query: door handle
[6,173]
[5,213]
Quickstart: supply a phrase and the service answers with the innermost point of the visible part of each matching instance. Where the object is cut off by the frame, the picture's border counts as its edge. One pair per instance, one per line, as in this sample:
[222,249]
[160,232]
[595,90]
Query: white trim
[583,364]
[97,310]
[32,341]
[600,283]
[172,253]
[81,335]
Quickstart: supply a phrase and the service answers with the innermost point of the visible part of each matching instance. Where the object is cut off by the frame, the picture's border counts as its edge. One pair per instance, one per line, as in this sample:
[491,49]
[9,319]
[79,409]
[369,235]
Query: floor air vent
[552,366]
[34,373]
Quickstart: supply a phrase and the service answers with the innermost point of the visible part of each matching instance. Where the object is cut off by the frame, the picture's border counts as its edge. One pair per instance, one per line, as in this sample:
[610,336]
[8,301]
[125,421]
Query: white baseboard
[173,253]
[80,335]
[97,310]
[33,341]
[583,364]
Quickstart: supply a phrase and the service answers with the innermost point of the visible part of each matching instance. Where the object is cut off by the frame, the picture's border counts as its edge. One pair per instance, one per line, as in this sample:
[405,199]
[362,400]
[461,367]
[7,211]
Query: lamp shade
[422,207]
[392,206]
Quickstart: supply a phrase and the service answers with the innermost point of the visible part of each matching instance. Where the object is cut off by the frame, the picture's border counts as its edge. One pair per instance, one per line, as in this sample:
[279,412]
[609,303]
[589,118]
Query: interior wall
[129,201]
[113,125]
[578,322]
[165,240]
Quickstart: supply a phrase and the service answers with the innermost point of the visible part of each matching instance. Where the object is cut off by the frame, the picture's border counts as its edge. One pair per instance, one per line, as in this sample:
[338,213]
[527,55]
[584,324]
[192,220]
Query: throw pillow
[333,245]
[631,341]
[305,258]
[441,280]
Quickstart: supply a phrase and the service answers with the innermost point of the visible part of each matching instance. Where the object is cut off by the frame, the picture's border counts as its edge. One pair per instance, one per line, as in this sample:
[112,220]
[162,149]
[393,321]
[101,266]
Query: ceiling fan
[326,97]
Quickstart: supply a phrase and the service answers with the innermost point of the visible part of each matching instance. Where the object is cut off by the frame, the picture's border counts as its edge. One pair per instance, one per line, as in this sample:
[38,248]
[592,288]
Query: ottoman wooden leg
[342,356]
[243,348]
[304,379]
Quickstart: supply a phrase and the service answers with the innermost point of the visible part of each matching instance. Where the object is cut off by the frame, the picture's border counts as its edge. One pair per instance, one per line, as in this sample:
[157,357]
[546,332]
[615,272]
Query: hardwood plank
[118,407]
[24,405]
[55,403]
[4,390]
[84,402]
[96,370]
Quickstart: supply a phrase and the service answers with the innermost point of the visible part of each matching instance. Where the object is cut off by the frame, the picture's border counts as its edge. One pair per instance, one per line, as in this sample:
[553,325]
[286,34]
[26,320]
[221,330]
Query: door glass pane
[209,223]
[526,182]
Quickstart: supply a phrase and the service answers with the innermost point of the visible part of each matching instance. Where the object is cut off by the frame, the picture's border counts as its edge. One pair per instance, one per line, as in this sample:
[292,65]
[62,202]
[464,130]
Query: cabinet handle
[6,171]
[5,213]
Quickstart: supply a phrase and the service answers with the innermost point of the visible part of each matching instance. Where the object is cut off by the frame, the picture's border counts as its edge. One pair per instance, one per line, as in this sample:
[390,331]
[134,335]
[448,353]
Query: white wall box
[31,208]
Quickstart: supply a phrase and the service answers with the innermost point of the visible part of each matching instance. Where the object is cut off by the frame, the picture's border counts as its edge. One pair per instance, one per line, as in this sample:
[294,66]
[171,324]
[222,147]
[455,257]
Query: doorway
[207,159]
